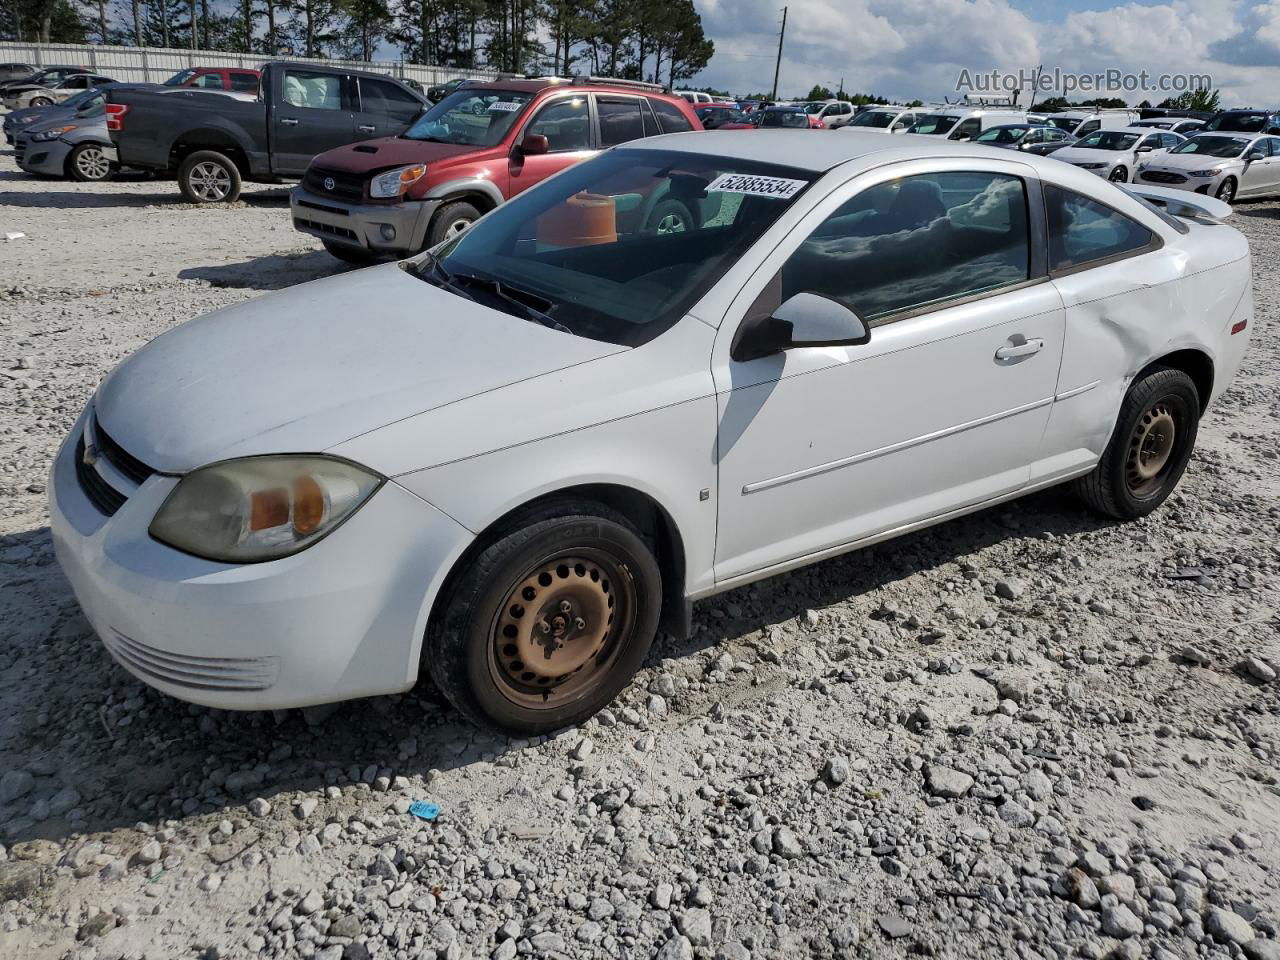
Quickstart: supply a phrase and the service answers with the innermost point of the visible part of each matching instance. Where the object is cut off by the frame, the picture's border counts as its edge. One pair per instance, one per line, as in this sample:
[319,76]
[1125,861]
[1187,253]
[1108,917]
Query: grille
[328,228]
[118,457]
[19,148]
[104,497]
[346,186]
[197,673]
[338,211]
[1159,176]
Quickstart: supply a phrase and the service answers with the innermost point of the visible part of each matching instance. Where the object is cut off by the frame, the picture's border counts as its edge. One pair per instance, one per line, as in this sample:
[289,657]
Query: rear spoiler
[1181,203]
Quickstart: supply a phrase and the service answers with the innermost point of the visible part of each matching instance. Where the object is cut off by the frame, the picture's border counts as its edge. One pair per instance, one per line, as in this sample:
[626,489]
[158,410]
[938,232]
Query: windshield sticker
[509,106]
[780,188]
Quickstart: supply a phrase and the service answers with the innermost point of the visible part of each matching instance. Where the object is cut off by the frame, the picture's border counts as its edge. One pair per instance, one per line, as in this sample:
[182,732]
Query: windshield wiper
[441,277]
[500,290]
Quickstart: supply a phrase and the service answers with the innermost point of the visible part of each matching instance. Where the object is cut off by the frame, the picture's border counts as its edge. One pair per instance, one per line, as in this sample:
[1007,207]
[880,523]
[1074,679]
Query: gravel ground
[1025,733]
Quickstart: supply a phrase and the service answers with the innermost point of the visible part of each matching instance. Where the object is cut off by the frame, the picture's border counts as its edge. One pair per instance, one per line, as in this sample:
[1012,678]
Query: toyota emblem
[328,183]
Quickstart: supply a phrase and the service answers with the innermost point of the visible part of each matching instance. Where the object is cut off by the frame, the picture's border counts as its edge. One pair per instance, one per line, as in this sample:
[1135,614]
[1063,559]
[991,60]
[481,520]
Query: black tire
[451,219]
[1119,175]
[208,176]
[40,102]
[566,550]
[358,256]
[1118,486]
[1226,191]
[87,164]
[670,216]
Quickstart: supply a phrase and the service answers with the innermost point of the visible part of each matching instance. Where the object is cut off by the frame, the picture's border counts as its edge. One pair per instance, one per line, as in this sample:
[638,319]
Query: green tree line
[659,40]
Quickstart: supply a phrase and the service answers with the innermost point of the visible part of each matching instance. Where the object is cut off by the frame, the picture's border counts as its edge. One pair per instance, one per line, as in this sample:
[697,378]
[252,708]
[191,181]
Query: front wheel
[1149,449]
[669,216]
[208,176]
[1227,190]
[1119,175]
[41,102]
[88,163]
[545,625]
[451,220]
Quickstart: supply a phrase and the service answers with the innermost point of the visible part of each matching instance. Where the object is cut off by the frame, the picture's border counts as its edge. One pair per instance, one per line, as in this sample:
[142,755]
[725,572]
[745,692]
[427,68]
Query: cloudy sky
[917,48]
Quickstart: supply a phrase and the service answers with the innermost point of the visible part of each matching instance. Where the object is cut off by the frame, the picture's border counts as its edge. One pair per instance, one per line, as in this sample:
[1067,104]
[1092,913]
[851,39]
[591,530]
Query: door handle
[1024,349]
[366,128]
[288,122]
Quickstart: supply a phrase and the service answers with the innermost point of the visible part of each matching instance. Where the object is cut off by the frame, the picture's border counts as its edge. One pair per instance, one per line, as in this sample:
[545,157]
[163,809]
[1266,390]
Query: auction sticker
[508,106]
[779,188]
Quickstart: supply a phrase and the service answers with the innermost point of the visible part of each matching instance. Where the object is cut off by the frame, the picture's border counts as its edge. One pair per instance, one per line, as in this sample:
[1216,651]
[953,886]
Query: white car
[506,461]
[1113,154]
[1222,165]
[886,119]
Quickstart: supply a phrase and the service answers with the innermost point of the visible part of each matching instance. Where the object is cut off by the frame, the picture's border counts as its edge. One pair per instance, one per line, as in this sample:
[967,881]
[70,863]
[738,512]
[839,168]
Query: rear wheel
[89,164]
[549,622]
[451,220]
[1226,191]
[208,176]
[1149,449]
[1119,175]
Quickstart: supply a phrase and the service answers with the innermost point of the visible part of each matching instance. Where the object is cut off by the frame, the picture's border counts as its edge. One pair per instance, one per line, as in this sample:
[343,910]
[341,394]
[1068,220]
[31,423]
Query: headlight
[261,508]
[55,133]
[1206,173]
[395,182]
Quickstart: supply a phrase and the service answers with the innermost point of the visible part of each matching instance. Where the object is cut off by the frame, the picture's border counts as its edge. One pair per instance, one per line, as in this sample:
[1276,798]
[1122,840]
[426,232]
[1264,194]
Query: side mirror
[534,143]
[1256,155]
[960,139]
[805,320]
[1145,148]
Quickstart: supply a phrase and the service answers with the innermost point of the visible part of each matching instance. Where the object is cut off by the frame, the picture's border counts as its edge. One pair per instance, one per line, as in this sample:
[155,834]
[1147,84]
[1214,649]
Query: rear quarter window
[670,118]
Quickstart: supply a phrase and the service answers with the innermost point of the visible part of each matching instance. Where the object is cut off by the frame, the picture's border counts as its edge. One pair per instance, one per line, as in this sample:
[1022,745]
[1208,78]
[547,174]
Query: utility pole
[778,66]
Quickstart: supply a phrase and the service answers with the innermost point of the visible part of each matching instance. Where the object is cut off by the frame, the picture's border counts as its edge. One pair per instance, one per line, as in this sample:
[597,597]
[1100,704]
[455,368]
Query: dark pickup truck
[215,141]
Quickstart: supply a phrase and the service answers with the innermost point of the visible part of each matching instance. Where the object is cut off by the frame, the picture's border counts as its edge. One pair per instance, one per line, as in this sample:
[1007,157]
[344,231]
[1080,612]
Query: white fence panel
[155,64]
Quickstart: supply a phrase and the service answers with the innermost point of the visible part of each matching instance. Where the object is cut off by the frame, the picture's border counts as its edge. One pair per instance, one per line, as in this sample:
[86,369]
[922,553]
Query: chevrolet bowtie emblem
[90,456]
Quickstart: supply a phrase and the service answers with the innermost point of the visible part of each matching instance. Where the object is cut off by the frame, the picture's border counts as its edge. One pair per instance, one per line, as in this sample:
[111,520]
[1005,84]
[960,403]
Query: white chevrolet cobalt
[507,462]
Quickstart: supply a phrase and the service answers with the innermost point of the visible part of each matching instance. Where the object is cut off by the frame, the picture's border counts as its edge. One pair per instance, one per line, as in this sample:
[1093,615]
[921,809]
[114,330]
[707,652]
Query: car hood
[23,118]
[309,367]
[62,120]
[388,152]
[1087,155]
[1188,161]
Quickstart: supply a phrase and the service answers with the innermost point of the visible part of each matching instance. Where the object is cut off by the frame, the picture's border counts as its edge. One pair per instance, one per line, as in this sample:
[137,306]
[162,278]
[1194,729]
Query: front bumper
[1205,185]
[342,619]
[45,157]
[363,225]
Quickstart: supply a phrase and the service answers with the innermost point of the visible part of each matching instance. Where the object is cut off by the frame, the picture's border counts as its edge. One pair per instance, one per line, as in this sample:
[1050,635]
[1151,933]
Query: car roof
[554,83]
[821,153]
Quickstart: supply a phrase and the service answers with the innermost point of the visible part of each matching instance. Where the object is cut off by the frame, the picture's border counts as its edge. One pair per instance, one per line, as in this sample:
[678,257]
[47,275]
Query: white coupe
[506,462]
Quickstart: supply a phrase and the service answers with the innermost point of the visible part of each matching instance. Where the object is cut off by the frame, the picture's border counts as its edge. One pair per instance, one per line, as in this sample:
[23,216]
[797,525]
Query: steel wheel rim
[561,627]
[92,164]
[1151,447]
[671,223]
[209,181]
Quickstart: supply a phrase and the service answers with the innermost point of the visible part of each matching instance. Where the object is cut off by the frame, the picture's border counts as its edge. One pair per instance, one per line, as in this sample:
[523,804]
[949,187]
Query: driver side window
[566,124]
[906,244]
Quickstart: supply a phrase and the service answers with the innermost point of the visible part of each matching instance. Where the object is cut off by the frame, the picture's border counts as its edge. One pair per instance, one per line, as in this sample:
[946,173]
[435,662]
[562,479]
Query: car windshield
[1239,122]
[814,107]
[933,123]
[1065,123]
[1002,135]
[81,99]
[873,118]
[1226,147]
[477,118]
[784,118]
[1108,140]
[619,247]
[179,78]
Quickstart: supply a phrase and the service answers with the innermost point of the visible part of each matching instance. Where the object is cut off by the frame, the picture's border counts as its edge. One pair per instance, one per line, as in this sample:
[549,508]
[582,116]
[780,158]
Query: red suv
[216,78]
[479,146]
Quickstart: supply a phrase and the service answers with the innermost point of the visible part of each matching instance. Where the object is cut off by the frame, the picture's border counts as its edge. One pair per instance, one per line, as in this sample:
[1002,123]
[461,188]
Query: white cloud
[917,48]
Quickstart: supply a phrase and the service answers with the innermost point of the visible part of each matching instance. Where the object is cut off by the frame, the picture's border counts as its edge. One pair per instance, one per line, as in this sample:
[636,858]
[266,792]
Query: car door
[386,110]
[941,410]
[566,124]
[1259,173]
[313,111]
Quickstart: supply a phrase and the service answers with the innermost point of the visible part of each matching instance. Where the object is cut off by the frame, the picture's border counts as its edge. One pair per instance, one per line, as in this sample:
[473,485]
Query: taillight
[115,115]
